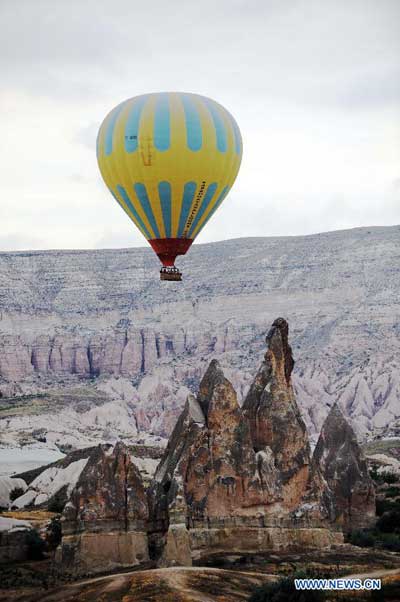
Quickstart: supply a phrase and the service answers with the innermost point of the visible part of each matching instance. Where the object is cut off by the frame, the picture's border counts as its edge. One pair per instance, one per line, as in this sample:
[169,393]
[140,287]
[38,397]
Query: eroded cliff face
[275,421]
[340,461]
[66,315]
[119,352]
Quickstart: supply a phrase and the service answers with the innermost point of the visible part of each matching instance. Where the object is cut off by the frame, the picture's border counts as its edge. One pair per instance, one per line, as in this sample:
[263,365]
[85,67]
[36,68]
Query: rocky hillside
[232,481]
[93,346]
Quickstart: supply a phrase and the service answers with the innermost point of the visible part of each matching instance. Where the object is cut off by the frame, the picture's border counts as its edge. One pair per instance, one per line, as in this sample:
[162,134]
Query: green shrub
[18,576]
[285,591]
[389,541]
[56,505]
[388,477]
[392,491]
[383,477]
[363,538]
[389,522]
[385,505]
[36,545]
[16,493]
[373,473]
[58,501]
[54,533]
[368,538]
[388,591]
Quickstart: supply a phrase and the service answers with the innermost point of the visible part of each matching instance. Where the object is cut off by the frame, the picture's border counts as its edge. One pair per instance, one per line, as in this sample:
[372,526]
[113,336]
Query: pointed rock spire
[109,492]
[210,473]
[341,462]
[104,523]
[274,417]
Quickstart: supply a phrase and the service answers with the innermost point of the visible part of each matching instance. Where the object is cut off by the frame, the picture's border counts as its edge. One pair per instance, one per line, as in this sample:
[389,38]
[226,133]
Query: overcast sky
[313,85]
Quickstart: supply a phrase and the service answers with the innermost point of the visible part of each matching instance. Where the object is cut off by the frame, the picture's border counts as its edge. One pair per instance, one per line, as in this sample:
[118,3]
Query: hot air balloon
[169,159]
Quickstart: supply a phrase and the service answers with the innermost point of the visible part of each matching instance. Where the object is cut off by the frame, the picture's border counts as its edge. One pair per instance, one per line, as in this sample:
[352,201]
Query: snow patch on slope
[12,524]
[49,482]
[14,460]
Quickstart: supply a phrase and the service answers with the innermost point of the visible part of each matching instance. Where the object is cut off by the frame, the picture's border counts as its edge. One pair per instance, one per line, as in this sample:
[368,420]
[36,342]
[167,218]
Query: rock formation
[167,498]
[210,474]
[340,461]
[232,478]
[224,475]
[232,481]
[275,421]
[14,539]
[104,523]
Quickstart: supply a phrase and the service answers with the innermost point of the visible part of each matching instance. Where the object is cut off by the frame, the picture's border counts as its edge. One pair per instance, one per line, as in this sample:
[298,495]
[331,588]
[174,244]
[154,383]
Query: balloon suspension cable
[167,250]
[170,273]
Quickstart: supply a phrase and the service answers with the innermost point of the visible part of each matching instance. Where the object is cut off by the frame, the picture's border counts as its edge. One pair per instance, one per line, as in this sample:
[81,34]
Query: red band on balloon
[168,249]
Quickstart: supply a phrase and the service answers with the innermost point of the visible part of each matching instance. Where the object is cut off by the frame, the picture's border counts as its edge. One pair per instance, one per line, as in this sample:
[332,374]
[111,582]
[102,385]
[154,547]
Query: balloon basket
[172,274]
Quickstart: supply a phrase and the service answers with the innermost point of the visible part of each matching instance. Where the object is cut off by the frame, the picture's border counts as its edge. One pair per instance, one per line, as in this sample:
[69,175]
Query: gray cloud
[314,85]
[311,51]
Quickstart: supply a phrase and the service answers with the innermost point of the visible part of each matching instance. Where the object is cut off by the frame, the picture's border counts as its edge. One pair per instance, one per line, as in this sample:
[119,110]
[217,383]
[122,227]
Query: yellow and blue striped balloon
[169,159]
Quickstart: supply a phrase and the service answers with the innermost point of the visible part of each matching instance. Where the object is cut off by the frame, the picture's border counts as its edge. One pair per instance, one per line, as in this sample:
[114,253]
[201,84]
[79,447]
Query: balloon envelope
[169,159]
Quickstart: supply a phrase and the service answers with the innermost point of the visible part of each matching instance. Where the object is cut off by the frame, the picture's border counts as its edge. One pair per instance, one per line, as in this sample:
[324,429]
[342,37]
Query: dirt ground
[195,584]
[225,579]
[190,584]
